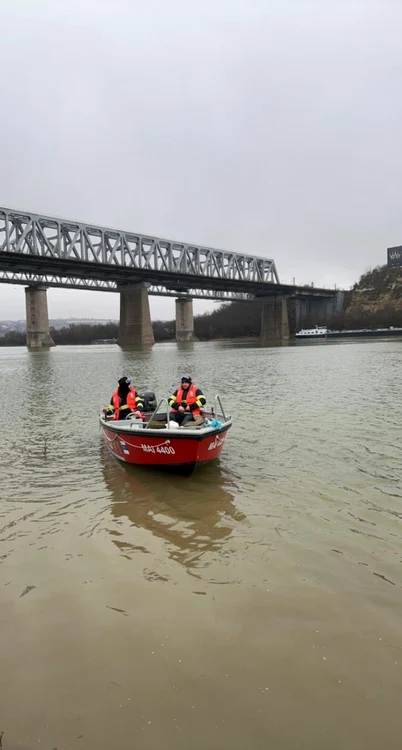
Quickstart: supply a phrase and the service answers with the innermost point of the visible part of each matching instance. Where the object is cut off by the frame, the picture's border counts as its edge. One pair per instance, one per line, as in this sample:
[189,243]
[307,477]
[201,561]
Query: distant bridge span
[41,251]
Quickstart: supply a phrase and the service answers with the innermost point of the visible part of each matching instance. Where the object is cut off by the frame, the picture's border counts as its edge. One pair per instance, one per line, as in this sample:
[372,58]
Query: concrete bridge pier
[135,318]
[274,321]
[184,320]
[307,313]
[37,318]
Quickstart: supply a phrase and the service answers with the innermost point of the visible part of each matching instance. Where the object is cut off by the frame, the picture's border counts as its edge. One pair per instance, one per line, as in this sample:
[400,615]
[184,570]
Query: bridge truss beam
[73,282]
[49,242]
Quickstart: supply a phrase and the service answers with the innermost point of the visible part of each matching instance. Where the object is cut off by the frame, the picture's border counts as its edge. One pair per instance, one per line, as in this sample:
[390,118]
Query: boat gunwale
[177,434]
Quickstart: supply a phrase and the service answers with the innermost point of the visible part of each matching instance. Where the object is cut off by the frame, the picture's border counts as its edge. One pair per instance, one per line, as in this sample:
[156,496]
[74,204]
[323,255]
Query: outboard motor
[149,401]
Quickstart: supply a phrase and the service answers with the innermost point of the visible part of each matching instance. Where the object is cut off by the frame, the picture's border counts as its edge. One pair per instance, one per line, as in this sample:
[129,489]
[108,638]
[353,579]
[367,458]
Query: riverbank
[240,340]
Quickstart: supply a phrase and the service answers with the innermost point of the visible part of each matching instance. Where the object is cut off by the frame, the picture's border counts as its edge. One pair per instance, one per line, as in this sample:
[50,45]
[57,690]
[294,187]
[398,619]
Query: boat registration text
[158,449]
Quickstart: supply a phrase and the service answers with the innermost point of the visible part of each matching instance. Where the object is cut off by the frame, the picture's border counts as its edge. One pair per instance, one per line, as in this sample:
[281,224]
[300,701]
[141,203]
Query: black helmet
[124,381]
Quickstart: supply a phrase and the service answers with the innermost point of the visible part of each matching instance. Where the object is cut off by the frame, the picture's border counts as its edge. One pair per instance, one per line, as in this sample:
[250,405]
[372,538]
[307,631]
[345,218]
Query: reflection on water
[257,603]
[193,516]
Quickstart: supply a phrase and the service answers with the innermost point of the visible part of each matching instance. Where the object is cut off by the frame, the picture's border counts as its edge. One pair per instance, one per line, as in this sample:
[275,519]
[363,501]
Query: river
[256,604]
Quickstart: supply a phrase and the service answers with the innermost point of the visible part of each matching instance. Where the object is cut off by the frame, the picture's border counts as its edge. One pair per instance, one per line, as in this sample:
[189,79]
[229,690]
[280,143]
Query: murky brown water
[257,604]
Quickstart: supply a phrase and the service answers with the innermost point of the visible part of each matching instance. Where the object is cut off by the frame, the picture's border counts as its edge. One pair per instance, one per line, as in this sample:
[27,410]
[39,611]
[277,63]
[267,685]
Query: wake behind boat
[157,441]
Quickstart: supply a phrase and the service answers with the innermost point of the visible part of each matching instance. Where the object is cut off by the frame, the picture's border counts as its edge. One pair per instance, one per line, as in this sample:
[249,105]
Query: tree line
[228,321]
[374,302]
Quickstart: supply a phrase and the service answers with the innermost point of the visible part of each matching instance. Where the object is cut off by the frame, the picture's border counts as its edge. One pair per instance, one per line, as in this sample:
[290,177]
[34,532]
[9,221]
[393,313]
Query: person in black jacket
[186,402]
[125,401]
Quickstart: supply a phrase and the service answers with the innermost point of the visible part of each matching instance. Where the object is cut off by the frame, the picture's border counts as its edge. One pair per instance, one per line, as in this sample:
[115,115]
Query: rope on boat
[116,437]
[159,445]
[110,440]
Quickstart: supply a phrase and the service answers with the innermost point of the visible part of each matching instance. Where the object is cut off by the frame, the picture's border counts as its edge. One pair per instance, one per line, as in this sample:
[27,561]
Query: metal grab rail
[217,402]
[156,411]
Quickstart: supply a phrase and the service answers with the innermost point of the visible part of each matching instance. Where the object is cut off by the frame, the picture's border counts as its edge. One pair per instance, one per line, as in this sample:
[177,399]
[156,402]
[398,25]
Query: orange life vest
[130,401]
[191,398]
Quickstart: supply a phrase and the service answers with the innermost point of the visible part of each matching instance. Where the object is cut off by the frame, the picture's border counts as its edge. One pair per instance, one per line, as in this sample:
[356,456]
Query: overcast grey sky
[266,126]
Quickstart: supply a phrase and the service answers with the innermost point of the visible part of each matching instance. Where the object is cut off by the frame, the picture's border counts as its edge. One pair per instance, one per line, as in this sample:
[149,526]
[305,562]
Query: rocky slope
[376,299]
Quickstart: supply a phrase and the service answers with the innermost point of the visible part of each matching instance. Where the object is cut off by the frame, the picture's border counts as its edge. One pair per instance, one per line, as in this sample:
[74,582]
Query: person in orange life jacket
[186,402]
[125,401]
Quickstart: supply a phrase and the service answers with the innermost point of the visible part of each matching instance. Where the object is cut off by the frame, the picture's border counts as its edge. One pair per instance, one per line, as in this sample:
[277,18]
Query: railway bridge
[40,251]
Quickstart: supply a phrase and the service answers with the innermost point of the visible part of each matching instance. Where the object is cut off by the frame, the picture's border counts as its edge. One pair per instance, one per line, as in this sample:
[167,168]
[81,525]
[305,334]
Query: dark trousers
[181,417]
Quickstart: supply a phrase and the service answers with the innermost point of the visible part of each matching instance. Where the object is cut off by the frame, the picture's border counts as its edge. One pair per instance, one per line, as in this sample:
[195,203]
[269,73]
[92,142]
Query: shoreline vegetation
[374,302]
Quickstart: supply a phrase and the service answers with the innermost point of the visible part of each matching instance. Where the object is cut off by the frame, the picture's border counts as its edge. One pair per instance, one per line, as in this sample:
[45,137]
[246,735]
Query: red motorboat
[156,441]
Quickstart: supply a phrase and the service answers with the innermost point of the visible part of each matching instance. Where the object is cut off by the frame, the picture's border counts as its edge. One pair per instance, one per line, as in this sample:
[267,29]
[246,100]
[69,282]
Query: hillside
[376,299]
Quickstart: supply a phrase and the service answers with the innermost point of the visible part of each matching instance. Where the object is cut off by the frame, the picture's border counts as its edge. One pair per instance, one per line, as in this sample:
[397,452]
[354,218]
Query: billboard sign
[395,256]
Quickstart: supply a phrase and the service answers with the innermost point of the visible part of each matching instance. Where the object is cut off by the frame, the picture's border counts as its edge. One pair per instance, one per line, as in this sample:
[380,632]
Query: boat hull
[162,448]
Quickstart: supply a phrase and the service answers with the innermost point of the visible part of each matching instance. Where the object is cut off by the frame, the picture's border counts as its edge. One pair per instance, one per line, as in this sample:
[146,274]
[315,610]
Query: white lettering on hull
[216,442]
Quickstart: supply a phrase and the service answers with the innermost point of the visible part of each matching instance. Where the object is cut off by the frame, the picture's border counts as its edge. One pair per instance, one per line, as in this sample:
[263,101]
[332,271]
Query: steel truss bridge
[36,249]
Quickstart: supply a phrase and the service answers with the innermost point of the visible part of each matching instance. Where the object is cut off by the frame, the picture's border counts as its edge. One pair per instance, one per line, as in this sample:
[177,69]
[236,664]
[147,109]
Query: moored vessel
[322,332]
